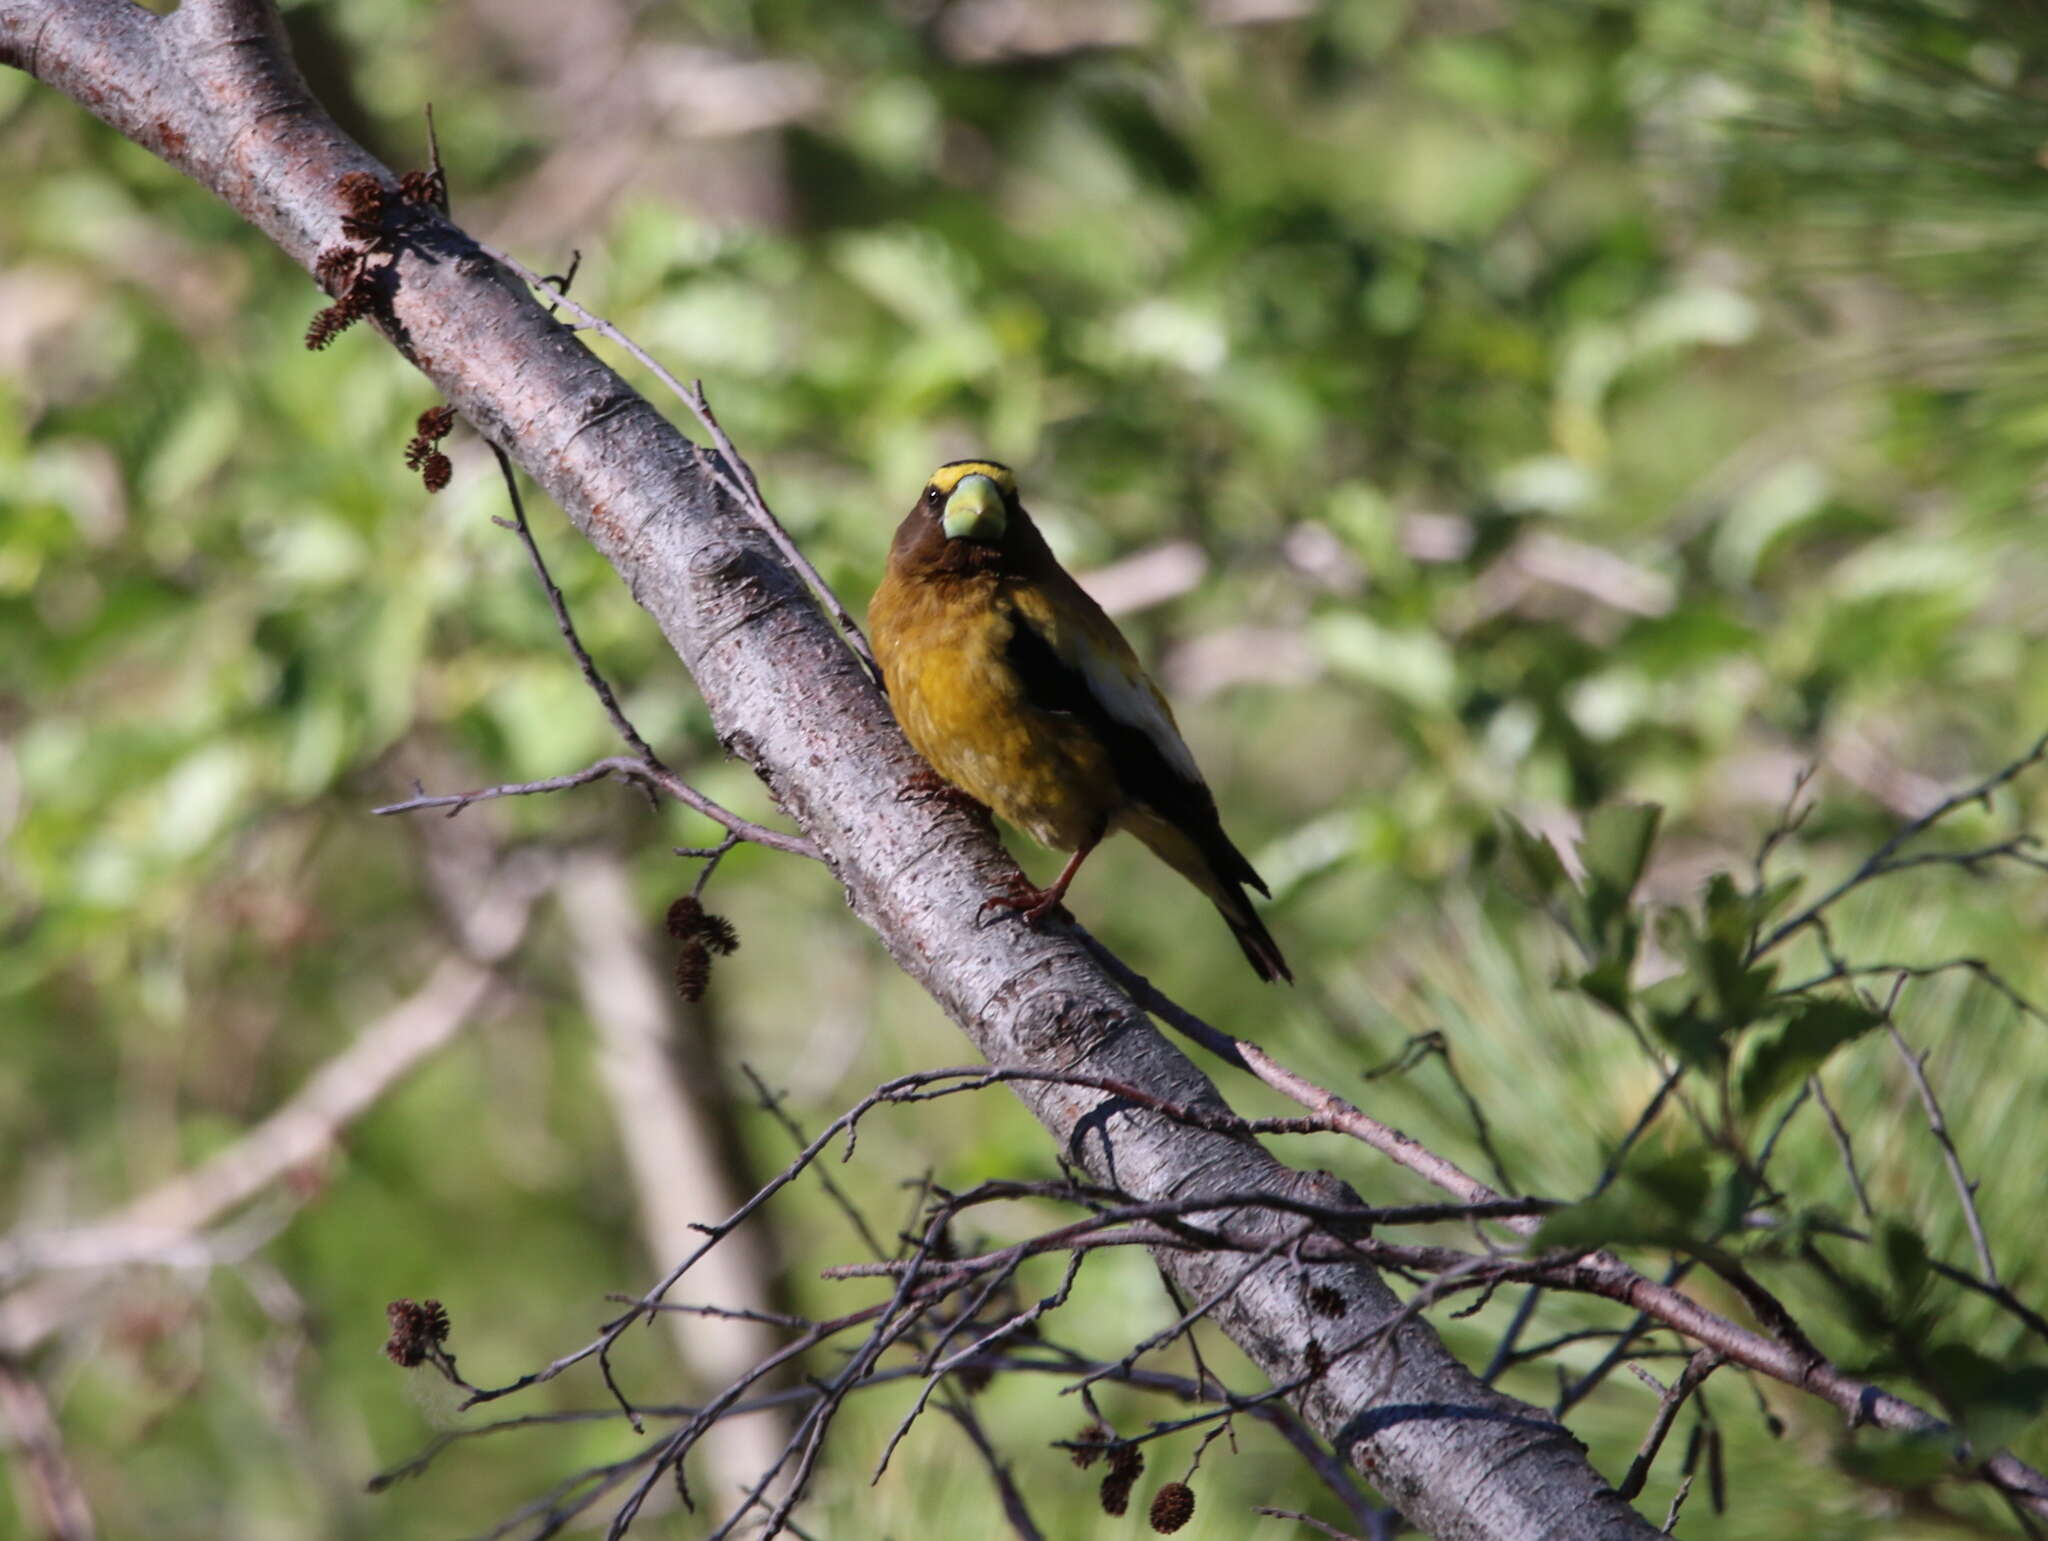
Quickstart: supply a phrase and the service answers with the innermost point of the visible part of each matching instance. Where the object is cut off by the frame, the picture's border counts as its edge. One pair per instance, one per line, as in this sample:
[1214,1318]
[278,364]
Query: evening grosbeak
[1016,687]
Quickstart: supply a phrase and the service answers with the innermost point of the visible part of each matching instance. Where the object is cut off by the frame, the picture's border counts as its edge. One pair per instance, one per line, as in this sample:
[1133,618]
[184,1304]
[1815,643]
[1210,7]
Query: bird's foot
[1033,903]
[925,785]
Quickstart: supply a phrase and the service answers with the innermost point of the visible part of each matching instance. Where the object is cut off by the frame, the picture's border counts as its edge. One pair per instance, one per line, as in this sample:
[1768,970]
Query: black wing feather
[1143,772]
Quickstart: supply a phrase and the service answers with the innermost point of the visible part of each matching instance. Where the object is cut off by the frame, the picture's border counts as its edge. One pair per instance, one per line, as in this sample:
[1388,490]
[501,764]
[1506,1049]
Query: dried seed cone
[719,935]
[336,266]
[362,193]
[344,313]
[415,1328]
[1088,1445]
[693,971]
[684,917]
[1172,1507]
[326,326]
[1116,1494]
[434,1320]
[422,187]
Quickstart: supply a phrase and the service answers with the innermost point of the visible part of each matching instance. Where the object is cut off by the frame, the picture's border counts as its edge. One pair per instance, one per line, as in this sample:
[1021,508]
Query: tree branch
[52,1498]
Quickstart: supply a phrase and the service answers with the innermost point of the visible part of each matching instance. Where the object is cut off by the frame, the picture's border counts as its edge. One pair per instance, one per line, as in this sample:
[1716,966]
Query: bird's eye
[931,496]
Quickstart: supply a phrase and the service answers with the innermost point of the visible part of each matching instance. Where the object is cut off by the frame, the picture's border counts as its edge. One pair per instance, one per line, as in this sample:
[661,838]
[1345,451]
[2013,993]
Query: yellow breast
[941,648]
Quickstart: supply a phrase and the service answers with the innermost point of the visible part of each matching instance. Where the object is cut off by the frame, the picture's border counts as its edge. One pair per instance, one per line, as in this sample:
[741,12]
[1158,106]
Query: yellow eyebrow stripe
[949,476]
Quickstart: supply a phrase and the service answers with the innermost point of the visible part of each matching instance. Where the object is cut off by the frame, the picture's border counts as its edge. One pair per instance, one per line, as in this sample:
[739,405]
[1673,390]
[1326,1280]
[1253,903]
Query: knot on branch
[1054,1022]
[717,559]
[734,584]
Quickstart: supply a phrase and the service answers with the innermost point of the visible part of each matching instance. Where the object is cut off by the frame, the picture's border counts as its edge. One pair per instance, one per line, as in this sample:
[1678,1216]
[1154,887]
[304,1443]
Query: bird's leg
[1037,903]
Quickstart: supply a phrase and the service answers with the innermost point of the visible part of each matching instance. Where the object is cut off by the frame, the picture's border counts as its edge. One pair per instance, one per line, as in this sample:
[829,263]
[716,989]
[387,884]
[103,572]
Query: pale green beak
[976,510]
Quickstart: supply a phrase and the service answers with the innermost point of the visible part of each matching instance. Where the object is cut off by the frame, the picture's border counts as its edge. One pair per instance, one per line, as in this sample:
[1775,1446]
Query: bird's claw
[926,786]
[1033,903]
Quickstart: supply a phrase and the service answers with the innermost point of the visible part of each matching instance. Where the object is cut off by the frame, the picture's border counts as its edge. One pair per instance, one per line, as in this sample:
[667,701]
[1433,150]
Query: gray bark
[211,90]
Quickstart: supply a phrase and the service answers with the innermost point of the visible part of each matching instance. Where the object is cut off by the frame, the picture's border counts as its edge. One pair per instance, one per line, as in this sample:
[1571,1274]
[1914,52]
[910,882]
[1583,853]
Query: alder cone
[1172,1507]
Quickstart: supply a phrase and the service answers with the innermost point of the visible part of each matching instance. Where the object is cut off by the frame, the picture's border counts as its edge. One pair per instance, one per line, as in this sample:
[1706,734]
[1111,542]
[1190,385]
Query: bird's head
[971,500]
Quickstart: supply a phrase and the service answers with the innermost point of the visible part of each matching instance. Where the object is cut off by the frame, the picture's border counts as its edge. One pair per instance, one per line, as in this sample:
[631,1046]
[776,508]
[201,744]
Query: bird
[1020,692]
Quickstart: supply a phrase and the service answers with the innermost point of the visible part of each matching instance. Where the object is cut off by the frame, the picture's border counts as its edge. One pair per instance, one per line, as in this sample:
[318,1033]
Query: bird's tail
[1260,950]
[1219,869]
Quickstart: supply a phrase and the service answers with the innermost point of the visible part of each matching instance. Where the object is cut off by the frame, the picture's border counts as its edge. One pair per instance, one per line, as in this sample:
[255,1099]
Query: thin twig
[1770,1145]
[53,1500]
[982,1344]
[1015,1510]
[1434,1045]
[1187,1320]
[1638,1129]
[600,687]
[1966,1191]
[657,777]
[1504,1352]
[735,475]
[1309,1520]
[1677,1503]
[1842,1144]
[749,496]
[712,857]
[645,768]
[1881,862]
[1697,1369]
[1840,969]
[1791,818]
[559,282]
[772,1105]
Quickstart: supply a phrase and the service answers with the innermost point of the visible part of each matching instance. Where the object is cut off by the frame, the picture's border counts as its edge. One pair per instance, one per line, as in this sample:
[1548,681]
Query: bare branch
[1885,858]
[1966,1191]
[731,470]
[1842,1144]
[1015,1510]
[1697,1369]
[559,607]
[655,776]
[52,1499]
[1315,1524]
[1434,1045]
[1677,1503]
[646,769]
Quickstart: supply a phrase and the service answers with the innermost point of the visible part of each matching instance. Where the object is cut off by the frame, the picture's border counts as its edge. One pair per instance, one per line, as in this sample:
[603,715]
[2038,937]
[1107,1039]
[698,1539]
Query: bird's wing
[1071,660]
[1074,661]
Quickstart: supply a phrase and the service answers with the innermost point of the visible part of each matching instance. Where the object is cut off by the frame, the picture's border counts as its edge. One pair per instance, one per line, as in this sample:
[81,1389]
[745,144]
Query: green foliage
[1661,1200]
[1709,1199]
[1785,1057]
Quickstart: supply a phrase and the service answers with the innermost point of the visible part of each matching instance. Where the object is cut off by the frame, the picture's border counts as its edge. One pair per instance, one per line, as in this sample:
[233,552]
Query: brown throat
[921,549]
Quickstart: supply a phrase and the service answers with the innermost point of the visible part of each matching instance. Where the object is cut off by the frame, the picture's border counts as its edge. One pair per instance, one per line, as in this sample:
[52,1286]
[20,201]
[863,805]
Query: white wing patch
[1131,699]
